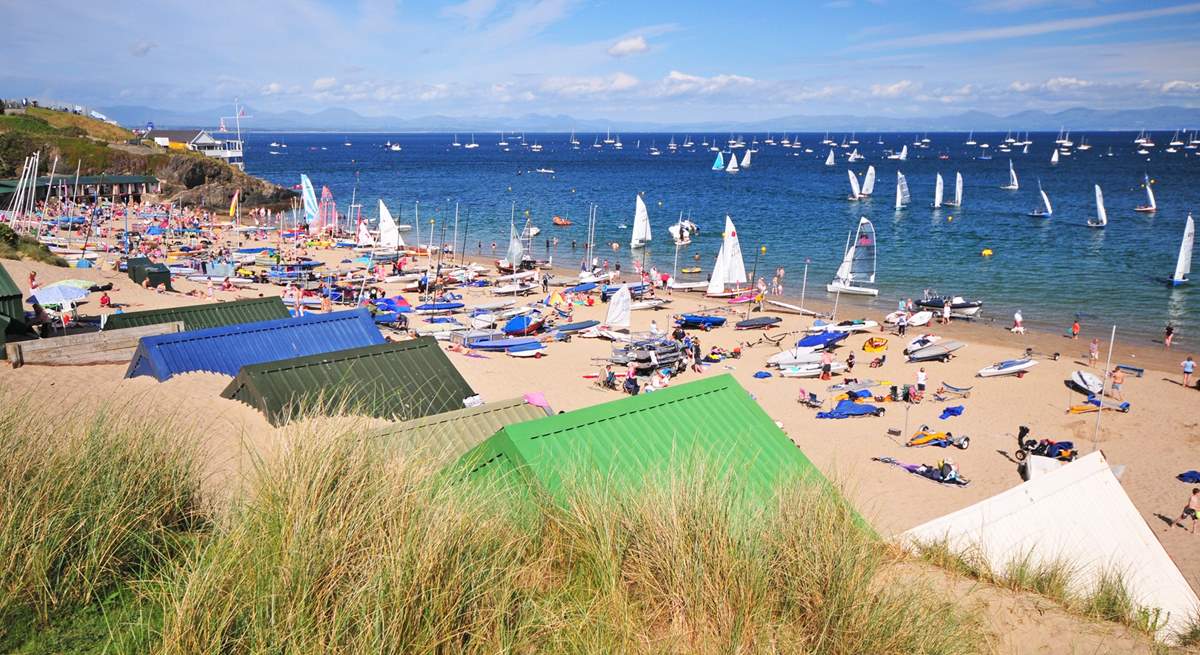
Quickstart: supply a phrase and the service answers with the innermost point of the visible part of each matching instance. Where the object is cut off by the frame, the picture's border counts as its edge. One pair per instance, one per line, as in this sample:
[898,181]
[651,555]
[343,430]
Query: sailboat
[472,145]
[855,191]
[729,268]
[455,142]
[938,190]
[958,191]
[900,156]
[1151,206]
[746,158]
[1101,215]
[1054,157]
[868,185]
[970,139]
[719,162]
[858,263]
[1183,265]
[515,253]
[902,197]
[829,159]
[1012,185]
[732,165]
[641,225]
[1045,211]
[389,232]
[683,229]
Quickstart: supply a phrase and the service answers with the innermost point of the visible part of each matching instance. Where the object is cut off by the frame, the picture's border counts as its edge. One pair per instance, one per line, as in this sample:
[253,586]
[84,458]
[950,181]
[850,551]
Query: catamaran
[829,160]
[1151,206]
[1101,215]
[958,192]
[902,197]
[1045,211]
[939,188]
[1012,185]
[1183,264]
[641,225]
[858,263]
[729,268]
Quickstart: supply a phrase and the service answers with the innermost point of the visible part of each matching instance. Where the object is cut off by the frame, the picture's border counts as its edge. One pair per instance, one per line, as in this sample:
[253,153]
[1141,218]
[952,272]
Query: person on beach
[1075,329]
[826,364]
[1189,367]
[1189,511]
[1168,336]
[902,324]
[105,301]
[922,379]
[1093,352]
[900,305]
[33,281]
[1118,381]
[849,363]
[1018,323]
[908,305]
[946,313]
[696,355]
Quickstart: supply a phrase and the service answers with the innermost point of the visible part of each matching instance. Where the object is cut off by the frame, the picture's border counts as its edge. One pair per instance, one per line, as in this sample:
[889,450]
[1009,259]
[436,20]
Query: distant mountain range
[346,120]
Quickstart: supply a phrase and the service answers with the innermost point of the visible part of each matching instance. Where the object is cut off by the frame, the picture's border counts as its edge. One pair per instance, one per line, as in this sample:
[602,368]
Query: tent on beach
[631,440]
[228,348]
[1078,514]
[195,317]
[403,380]
[446,436]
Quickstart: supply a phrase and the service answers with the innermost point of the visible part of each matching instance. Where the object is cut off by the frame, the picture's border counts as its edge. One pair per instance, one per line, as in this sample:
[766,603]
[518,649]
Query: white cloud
[894,90]
[677,83]
[142,48]
[324,83]
[585,86]
[272,89]
[472,11]
[1029,29]
[1022,87]
[1058,84]
[629,46]
[1180,86]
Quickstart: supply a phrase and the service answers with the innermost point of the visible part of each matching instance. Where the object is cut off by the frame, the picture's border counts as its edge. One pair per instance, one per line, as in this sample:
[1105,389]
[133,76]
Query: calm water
[1052,269]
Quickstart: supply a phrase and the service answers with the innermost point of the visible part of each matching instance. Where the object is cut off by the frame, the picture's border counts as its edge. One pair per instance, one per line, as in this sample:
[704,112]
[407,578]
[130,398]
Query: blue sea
[788,201]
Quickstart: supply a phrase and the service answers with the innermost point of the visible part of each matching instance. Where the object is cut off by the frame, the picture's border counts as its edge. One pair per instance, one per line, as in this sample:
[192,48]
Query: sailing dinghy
[1151,206]
[868,185]
[902,196]
[938,190]
[1101,215]
[641,225]
[855,191]
[1183,265]
[829,160]
[729,268]
[1012,185]
[732,166]
[858,263]
[719,162]
[1045,211]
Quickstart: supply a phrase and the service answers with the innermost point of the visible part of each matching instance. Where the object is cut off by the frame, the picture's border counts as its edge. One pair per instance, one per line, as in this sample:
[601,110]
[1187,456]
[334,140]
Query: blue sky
[668,61]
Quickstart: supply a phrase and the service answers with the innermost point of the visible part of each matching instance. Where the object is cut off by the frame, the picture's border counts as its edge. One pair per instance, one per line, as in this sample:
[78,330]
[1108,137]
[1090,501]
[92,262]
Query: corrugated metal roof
[407,379]
[630,440]
[196,317]
[446,436]
[228,348]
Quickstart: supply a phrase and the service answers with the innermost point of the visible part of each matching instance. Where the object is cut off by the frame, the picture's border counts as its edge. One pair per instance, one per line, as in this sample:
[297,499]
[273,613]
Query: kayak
[581,288]
[701,321]
[1087,383]
[1007,367]
[758,323]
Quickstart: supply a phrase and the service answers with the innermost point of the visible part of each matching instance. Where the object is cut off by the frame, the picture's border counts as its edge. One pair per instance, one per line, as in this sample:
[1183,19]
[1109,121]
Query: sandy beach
[1155,441]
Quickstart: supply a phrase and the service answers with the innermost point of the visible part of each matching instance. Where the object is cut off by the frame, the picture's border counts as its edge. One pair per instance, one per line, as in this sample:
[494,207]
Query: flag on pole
[233,204]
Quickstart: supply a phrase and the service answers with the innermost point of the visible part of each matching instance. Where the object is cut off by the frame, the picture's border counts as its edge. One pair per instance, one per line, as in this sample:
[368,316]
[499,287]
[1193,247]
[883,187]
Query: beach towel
[762,375]
[956,410]
[1191,477]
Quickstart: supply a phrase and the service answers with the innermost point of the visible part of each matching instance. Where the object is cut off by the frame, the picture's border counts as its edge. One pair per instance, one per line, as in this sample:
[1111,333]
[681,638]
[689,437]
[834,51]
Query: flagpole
[1103,382]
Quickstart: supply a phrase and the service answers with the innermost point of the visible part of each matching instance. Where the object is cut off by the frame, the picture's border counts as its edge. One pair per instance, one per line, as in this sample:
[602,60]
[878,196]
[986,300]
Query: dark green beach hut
[211,315]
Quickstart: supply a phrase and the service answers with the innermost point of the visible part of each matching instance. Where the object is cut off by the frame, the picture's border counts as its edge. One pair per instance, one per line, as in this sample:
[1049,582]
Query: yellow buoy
[987,252]
[949,218]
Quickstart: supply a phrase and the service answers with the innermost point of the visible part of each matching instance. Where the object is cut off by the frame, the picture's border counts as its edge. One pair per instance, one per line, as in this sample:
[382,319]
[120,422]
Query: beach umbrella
[78,284]
[57,295]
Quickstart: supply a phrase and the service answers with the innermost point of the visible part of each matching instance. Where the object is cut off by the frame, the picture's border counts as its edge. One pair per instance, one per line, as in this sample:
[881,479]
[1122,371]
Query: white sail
[1101,214]
[1183,265]
[958,183]
[732,166]
[829,159]
[619,306]
[364,240]
[904,152]
[1013,185]
[858,264]
[855,192]
[1046,201]
[1054,157]
[729,267]
[516,251]
[641,225]
[902,197]
[938,190]
[1150,195]
[868,186]
[389,232]
[746,159]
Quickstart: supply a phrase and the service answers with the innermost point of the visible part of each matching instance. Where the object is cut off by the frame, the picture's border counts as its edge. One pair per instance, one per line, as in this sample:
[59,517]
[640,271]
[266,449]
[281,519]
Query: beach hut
[403,380]
[12,309]
[628,441]
[195,317]
[228,348]
[447,436]
[1079,516]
